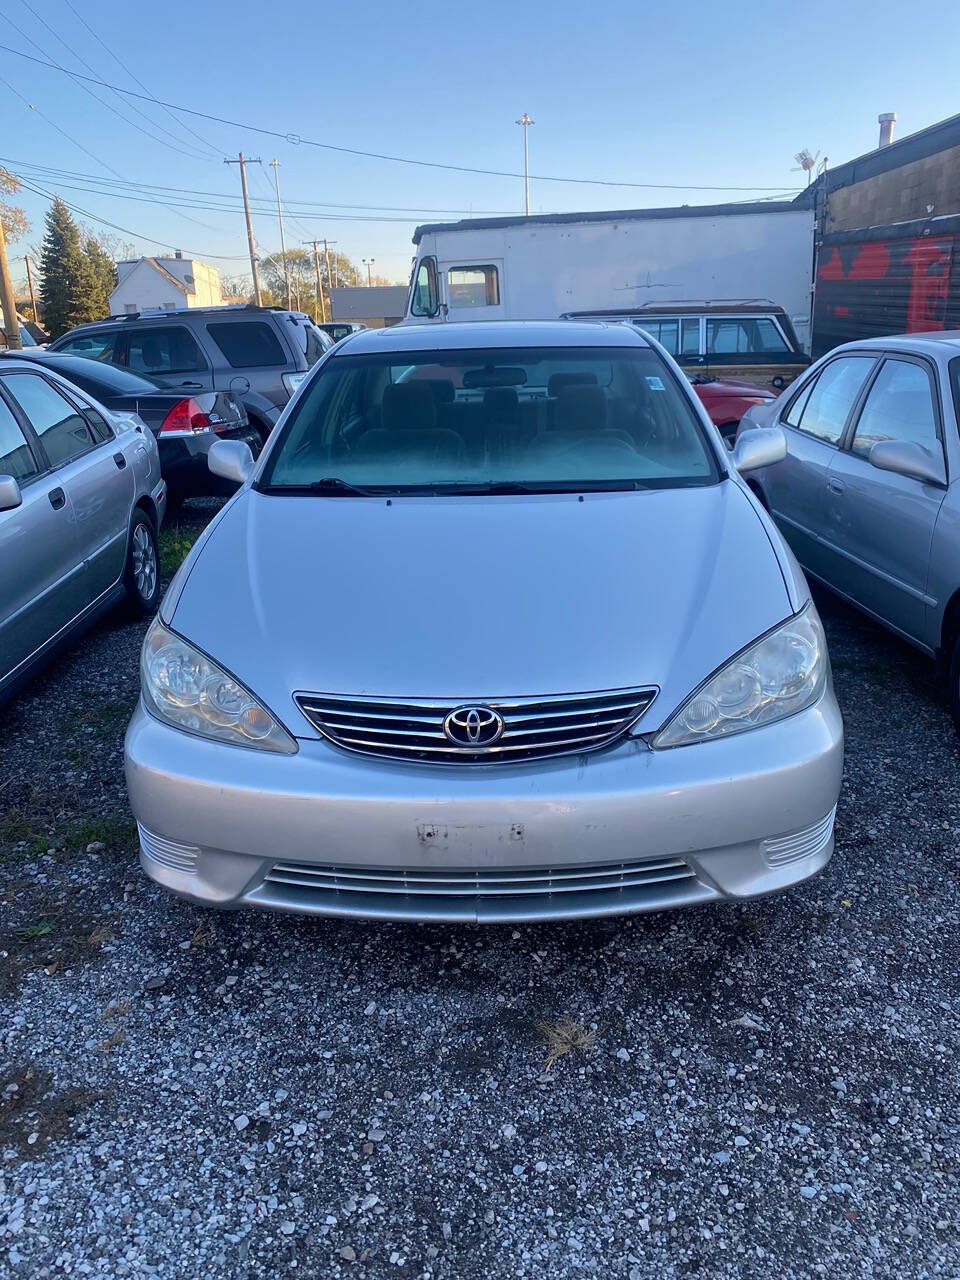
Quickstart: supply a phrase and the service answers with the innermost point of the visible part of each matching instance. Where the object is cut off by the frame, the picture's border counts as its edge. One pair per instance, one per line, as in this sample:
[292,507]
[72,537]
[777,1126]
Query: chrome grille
[487,894]
[413,728]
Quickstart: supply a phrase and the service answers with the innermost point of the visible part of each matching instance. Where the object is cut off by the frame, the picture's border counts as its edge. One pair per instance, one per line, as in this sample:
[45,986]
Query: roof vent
[886,121]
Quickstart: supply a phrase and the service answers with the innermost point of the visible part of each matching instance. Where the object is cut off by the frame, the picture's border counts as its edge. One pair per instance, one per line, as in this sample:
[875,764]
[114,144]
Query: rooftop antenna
[807,162]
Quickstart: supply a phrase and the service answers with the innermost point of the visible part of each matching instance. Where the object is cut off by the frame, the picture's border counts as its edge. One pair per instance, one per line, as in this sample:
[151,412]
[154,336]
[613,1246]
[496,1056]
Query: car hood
[473,597]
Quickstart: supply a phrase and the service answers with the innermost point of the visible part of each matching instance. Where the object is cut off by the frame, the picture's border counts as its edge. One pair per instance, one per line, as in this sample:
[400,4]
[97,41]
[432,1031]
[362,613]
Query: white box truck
[546,266]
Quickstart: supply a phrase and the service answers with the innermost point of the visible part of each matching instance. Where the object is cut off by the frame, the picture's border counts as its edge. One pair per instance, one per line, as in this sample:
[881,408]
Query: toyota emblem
[473,726]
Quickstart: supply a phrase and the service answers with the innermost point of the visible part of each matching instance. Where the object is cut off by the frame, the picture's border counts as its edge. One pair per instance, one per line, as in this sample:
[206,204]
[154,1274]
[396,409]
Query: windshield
[538,420]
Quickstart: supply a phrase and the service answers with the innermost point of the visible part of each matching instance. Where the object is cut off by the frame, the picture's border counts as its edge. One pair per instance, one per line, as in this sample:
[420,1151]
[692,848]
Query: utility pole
[322,318]
[242,161]
[368,263]
[275,166]
[326,254]
[33,301]
[11,326]
[526,122]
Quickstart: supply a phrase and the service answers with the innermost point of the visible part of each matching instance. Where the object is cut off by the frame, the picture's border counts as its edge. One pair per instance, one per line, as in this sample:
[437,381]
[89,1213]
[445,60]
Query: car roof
[943,344]
[719,305]
[228,310]
[484,334]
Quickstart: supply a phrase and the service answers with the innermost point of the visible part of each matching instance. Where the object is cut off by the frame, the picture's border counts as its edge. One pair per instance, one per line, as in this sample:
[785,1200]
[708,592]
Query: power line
[53,125]
[136,79]
[296,139]
[138,235]
[155,193]
[78,79]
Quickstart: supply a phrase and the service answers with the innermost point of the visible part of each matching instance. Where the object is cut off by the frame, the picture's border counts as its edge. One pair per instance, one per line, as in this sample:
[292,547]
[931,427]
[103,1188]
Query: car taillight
[187,416]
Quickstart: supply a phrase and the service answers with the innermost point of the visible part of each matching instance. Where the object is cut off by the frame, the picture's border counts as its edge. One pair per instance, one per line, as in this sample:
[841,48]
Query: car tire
[954,687]
[141,576]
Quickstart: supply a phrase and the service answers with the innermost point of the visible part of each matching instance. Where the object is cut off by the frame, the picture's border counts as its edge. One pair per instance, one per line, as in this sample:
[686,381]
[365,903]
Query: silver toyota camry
[493,630]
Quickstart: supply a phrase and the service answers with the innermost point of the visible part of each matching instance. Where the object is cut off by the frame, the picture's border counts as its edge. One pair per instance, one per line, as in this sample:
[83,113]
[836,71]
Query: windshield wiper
[329,486]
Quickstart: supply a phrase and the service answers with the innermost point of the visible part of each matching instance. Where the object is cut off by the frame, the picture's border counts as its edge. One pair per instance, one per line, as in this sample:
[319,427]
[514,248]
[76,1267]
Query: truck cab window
[425,301]
[474,286]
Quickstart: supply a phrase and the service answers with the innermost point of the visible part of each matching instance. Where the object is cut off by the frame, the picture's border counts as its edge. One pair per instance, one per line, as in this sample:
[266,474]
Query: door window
[833,395]
[733,335]
[16,456]
[95,346]
[64,433]
[247,344]
[171,349]
[899,406]
[690,338]
[662,330]
[425,300]
[474,286]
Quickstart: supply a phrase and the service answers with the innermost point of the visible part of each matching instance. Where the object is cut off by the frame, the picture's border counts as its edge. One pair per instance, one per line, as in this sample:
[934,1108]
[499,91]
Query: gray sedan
[81,499]
[869,493]
[493,631]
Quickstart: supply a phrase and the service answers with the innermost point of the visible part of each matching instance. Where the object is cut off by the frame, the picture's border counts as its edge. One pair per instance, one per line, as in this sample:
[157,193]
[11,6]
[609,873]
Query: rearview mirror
[759,447]
[10,495]
[906,458]
[231,460]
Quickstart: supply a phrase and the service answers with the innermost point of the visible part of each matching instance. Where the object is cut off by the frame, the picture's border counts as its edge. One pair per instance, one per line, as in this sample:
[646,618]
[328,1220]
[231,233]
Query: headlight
[775,677]
[183,687]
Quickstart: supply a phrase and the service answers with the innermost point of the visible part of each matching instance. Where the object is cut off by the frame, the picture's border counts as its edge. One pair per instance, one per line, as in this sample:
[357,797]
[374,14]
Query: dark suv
[261,354]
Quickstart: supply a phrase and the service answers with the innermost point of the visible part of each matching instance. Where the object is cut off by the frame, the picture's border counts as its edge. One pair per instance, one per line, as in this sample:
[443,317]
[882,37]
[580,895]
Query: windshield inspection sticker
[655,383]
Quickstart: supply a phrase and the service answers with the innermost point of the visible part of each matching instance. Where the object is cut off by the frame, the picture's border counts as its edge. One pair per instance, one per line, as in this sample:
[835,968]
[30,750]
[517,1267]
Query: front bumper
[618,831]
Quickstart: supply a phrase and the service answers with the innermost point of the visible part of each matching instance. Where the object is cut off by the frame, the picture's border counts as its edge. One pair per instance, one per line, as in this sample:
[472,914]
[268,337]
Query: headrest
[408,406]
[581,408]
[557,381]
[501,403]
[442,388]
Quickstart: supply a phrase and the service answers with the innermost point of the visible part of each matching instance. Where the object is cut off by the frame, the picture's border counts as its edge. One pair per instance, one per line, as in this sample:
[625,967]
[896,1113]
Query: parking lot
[768,1089]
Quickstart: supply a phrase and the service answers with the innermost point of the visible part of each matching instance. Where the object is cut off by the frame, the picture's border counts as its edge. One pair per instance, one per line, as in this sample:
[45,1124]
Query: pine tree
[104,274]
[66,275]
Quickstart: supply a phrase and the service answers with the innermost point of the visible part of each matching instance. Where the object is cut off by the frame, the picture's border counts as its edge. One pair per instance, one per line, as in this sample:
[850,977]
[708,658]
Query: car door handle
[835,486]
[120,460]
[57,498]
[192,386]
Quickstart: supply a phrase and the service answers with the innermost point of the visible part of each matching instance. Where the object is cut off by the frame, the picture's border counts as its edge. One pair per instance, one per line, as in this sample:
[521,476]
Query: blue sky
[704,93]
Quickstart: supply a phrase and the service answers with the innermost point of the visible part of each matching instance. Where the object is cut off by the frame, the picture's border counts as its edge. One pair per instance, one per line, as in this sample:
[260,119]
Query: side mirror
[10,495]
[759,447]
[906,458]
[231,460]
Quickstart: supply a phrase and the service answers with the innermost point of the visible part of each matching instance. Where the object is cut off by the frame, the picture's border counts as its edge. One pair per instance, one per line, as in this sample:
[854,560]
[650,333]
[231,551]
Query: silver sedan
[81,500]
[493,630]
[869,493]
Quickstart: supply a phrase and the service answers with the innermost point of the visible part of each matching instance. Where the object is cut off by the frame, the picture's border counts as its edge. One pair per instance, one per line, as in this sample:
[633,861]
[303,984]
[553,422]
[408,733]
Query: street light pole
[275,166]
[368,263]
[526,122]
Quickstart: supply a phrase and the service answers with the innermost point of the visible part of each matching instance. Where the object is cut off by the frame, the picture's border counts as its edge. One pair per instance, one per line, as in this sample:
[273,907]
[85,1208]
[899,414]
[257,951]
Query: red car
[727,402]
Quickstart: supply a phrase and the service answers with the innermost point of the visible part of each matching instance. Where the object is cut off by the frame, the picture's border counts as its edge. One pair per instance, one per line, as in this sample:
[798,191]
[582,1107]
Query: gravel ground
[751,1091]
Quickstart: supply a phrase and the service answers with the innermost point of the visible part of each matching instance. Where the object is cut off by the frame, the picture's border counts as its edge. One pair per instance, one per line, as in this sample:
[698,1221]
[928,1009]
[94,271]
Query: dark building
[887,256]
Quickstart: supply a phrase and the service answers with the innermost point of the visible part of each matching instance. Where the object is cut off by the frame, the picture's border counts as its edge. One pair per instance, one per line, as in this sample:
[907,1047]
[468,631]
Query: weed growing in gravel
[38,930]
[21,836]
[175,543]
[106,719]
[112,833]
[563,1036]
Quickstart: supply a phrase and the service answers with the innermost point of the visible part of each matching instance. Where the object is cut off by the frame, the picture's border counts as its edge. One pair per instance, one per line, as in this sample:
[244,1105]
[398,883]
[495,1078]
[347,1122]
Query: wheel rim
[144,562]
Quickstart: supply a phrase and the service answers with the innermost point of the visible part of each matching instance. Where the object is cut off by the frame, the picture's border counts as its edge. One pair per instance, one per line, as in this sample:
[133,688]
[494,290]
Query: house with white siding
[147,284]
